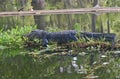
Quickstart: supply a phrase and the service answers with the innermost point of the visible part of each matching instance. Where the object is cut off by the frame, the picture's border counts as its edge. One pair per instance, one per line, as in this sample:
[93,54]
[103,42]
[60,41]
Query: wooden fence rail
[63,11]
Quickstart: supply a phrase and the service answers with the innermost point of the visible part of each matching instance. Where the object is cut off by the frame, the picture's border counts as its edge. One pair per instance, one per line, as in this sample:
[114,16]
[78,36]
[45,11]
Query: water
[20,63]
[91,65]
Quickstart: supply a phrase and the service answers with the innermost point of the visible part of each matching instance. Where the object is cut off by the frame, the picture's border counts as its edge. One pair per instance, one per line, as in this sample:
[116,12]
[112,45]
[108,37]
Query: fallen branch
[63,11]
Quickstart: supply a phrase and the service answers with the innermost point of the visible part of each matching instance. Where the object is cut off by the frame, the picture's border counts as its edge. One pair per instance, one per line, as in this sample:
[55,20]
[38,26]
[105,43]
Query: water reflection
[81,22]
[73,67]
[89,65]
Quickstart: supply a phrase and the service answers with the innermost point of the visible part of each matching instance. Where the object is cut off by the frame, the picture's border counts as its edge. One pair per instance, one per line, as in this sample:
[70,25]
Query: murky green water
[85,65]
[18,63]
[88,64]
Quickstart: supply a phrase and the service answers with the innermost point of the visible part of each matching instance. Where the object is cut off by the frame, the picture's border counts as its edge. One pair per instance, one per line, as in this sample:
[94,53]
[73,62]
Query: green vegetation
[13,37]
[95,58]
[63,21]
[47,66]
[20,63]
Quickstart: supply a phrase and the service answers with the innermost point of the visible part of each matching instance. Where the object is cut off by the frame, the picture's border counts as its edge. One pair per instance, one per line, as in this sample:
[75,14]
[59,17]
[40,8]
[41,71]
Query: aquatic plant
[13,37]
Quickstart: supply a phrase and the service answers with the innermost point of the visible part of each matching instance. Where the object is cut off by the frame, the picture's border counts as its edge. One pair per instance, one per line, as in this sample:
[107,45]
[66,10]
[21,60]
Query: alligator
[110,37]
[59,37]
[67,36]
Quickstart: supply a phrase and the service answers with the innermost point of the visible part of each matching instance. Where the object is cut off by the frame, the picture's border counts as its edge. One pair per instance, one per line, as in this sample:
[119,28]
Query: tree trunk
[101,25]
[39,19]
[94,16]
[108,24]
[67,5]
[93,22]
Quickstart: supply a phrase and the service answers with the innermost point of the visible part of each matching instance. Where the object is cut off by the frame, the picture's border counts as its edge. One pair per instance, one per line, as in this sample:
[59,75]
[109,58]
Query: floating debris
[91,77]
[70,51]
[69,69]
[61,69]
[74,58]
[118,77]
[117,52]
[82,53]
[95,62]
[81,70]
[105,63]
[103,56]
[74,64]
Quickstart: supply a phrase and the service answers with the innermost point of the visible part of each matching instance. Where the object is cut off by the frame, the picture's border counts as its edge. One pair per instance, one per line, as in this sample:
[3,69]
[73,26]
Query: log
[63,11]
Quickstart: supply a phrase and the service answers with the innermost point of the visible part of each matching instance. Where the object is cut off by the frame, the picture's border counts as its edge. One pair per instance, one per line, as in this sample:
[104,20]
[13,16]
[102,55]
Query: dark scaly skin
[37,34]
[66,36]
[62,37]
[59,37]
[108,37]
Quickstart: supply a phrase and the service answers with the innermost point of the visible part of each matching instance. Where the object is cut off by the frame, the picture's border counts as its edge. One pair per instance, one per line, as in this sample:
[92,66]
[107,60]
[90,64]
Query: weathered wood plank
[63,11]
